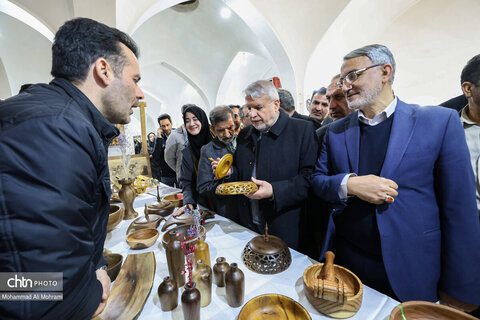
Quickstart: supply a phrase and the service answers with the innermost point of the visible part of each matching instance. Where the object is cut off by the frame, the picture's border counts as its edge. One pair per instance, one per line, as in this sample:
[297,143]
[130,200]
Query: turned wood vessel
[423,310]
[168,294]
[234,286]
[146,222]
[238,187]
[187,219]
[115,216]
[175,259]
[223,166]
[191,302]
[182,231]
[175,199]
[203,278]
[219,270]
[333,290]
[142,239]
[114,263]
[131,289]
[159,207]
[266,254]
[202,252]
[273,306]
[127,194]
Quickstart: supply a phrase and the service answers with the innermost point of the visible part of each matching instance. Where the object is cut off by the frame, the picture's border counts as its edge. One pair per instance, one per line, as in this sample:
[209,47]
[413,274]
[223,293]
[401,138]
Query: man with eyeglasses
[401,184]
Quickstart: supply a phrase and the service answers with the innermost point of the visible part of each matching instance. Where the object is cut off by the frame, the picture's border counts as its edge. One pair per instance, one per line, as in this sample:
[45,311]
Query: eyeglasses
[353,75]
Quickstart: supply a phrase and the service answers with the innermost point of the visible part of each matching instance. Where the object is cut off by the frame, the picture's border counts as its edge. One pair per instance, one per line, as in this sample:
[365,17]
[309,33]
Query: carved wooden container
[423,310]
[115,216]
[266,254]
[333,290]
[273,306]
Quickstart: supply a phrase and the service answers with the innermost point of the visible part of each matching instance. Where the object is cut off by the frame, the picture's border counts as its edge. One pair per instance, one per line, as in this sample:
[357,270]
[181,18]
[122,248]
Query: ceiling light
[225,13]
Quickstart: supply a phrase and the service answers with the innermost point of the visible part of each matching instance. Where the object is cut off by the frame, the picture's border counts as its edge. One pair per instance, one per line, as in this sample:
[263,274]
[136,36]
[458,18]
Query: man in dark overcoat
[278,154]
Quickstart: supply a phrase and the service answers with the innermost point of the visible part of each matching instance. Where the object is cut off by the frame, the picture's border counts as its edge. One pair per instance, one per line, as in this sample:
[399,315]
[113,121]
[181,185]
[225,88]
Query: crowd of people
[391,187]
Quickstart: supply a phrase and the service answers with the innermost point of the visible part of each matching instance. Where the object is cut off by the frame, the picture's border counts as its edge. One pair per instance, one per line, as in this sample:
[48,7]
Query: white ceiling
[190,54]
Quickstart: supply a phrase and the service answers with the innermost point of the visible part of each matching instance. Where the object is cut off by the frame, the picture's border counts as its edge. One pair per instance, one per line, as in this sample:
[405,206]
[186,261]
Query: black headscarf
[197,142]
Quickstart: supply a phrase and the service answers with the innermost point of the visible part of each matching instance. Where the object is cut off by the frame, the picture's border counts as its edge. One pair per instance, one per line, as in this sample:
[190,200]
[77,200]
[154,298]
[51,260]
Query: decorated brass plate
[239,187]
[223,166]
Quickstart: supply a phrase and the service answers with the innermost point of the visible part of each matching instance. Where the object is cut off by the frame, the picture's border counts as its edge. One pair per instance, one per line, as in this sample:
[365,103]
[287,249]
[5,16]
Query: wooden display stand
[139,163]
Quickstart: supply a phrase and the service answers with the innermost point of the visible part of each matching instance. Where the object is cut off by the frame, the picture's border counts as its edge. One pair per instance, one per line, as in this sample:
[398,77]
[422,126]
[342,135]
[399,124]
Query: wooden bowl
[143,223]
[142,239]
[173,199]
[115,216]
[273,306]
[416,310]
[162,208]
[331,308]
[114,263]
[183,232]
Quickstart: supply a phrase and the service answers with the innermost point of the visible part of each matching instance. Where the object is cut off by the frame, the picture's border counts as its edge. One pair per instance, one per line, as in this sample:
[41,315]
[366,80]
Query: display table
[227,239]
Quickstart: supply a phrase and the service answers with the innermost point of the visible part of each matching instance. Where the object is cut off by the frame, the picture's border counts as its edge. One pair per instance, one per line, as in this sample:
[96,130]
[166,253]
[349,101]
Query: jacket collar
[105,129]
[275,130]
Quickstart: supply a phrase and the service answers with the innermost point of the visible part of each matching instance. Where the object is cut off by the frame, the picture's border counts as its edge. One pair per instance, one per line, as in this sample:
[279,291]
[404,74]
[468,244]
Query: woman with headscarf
[151,139]
[198,135]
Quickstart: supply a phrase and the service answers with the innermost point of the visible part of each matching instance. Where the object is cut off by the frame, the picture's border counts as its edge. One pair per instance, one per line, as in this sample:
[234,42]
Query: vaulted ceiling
[209,51]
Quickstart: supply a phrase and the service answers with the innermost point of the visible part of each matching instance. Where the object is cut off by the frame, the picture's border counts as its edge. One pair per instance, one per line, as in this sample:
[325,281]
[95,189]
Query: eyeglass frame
[357,73]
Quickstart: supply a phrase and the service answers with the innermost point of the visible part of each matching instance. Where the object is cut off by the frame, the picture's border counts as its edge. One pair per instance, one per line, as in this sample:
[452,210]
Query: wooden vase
[168,294]
[219,270]
[175,260]
[203,278]
[127,194]
[202,252]
[191,302]
[234,286]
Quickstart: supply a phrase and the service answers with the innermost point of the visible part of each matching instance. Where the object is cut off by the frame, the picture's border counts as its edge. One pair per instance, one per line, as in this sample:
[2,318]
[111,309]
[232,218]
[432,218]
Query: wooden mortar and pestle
[328,286]
[332,289]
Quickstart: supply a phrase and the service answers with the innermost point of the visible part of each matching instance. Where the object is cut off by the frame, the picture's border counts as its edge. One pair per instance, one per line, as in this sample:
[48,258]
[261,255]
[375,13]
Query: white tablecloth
[227,239]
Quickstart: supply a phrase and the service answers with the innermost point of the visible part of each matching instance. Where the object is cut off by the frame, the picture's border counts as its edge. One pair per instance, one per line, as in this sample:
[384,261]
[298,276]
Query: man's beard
[367,97]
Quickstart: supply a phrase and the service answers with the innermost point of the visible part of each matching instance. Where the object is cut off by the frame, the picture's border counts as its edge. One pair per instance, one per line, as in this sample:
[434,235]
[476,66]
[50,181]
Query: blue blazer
[430,235]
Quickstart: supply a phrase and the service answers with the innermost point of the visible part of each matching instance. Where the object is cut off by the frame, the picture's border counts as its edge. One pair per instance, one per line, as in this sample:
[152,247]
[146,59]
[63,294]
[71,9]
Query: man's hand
[371,188]
[159,132]
[104,279]
[265,190]
[181,210]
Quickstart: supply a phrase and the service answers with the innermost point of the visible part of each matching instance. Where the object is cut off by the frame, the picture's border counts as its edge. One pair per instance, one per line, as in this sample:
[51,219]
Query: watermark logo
[46,286]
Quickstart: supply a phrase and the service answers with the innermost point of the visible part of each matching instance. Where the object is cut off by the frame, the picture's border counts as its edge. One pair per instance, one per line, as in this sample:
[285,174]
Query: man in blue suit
[399,176]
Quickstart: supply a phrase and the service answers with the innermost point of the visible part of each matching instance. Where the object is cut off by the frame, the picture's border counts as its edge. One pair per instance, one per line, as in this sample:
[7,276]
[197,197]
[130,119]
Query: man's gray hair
[286,100]
[262,88]
[220,114]
[377,53]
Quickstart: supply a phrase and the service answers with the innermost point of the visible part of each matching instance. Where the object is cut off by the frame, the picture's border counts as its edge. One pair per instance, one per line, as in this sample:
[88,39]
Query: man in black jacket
[277,153]
[55,186]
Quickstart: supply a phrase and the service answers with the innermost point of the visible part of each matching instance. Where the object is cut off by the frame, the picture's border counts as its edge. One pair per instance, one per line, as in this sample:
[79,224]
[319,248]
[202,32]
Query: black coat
[54,195]
[286,158]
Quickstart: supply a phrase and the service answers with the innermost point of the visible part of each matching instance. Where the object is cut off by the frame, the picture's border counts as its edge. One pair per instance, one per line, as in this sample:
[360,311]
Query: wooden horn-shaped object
[327,286]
